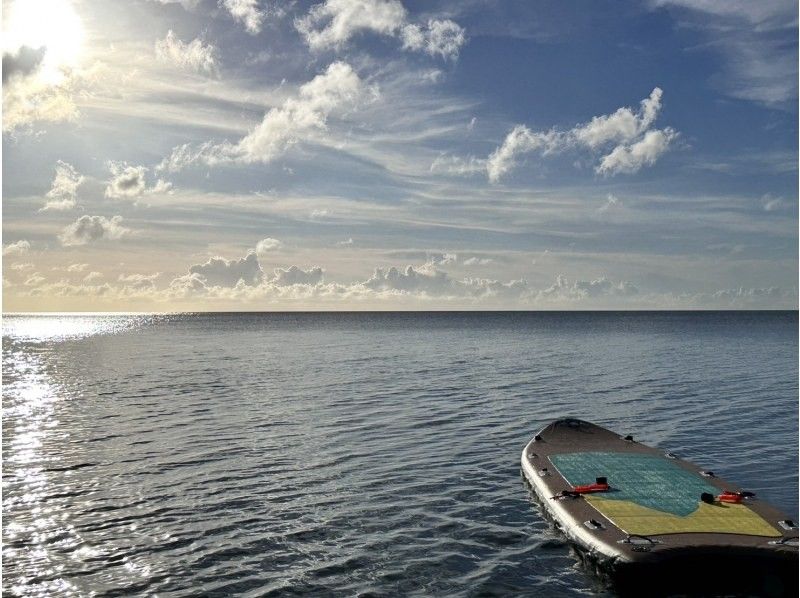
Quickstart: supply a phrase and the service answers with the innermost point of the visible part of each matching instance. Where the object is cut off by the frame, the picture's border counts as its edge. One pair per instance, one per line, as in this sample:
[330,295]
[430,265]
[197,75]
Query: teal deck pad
[647,480]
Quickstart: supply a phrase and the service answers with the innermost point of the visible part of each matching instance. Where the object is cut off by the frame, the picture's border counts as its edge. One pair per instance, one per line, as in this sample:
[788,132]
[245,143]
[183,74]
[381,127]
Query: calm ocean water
[354,454]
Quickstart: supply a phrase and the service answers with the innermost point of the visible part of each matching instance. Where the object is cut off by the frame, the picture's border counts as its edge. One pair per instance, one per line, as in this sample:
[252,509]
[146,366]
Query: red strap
[591,488]
[730,497]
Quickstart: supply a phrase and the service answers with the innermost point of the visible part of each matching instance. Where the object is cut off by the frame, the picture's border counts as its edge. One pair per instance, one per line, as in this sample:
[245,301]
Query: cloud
[520,140]
[245,12]
[31,99]
[126,181]
[624,125]
[64,188]
[22,63]
[267,245]
[456,165]
[319,214]
[20,267]
[336,90]
[757,42]
[17,248]
[77,267]
[562,289]
[771,203]
[345,243]
[194,55]
[333,23]
[612,201]
[478,261]
[129,181]
[138,282]
[231,283]
[441,37]
[34,280]
[219,271]
[187,4]
[88,229]
[645,152]
[294,275]
[634,144]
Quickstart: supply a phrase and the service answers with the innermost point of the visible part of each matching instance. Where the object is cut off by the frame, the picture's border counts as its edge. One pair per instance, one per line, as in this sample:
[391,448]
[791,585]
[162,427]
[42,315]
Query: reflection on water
[34,527]
[349,454]
[62,326]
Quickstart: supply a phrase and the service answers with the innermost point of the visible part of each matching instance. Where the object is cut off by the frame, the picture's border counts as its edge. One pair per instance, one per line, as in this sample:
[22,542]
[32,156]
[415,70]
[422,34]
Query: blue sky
[379,154]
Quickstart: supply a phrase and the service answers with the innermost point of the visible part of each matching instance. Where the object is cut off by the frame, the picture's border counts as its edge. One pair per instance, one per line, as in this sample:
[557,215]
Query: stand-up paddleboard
[652,523]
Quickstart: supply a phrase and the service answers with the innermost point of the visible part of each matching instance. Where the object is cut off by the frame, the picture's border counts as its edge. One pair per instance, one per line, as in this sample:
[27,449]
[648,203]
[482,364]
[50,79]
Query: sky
[172,155]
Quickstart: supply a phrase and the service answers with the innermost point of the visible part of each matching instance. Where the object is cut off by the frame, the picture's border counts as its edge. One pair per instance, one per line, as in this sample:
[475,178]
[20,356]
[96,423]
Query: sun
[50,24]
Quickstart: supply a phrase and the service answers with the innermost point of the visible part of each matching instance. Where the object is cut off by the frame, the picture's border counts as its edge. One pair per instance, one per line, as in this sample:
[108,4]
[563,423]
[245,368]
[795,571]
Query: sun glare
[50,24]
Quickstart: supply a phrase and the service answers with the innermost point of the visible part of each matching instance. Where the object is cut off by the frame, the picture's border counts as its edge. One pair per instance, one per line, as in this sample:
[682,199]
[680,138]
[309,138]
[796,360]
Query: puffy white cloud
[562,289]
[520,140]
[441,37]
[126,180]
[129,181]
[219,271]
[17,248]
[627,132]
[267,245]
[188,285]
[64,188]
[77,267]
[336,90]
[228,283]
[427,281]
[35,280]
[194,55]
[32,99]
[622,126]
[138,282]
[88,229]
[294,275]
[246,12]
[331,24]
[21,267]
[630,158]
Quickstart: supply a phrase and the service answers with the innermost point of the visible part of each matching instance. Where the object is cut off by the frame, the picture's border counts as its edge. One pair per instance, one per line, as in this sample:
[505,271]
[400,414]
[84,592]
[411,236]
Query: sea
[355,454]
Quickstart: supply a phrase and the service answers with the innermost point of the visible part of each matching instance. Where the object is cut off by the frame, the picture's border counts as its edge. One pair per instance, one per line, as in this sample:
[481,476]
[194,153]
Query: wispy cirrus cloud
[298,119]
[758,43]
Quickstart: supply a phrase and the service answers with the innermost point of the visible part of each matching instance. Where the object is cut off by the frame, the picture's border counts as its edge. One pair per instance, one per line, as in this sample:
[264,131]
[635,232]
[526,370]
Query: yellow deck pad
[717,518]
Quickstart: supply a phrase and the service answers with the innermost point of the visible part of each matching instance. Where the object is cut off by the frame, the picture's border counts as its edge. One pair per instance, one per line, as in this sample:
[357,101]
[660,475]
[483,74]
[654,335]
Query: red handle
[591,488]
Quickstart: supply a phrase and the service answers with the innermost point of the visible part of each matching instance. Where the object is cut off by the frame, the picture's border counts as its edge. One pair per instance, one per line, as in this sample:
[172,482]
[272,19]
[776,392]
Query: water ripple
[353,455]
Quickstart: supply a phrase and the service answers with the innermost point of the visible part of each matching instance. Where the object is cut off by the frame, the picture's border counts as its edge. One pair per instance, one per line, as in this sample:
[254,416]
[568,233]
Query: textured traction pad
[652,495]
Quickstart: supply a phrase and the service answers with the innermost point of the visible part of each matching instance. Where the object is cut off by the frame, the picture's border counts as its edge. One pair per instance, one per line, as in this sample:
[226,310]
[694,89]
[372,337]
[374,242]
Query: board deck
[652,512]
